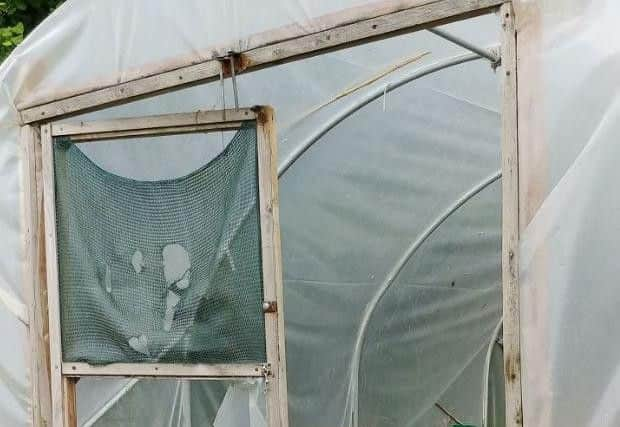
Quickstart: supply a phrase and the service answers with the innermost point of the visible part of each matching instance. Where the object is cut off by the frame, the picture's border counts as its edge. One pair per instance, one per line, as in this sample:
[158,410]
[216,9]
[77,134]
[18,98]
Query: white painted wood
[510,222]
[273,51]
[277,406]
[58,407]
[154,122]
[165,370]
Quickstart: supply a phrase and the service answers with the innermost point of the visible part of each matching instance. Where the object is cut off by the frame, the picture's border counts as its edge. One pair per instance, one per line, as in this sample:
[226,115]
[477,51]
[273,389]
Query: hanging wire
[223,86]
[233,75]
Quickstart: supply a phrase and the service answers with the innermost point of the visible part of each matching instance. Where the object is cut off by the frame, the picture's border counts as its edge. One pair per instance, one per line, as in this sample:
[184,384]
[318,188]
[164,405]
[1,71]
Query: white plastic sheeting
[350,206]
[209,403]
[569,122]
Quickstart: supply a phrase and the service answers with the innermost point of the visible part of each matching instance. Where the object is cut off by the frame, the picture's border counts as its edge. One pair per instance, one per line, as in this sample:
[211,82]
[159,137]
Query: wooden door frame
[347,28]
[63,375]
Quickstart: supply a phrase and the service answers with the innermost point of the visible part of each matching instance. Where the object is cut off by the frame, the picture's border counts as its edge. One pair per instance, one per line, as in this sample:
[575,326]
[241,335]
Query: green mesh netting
[166,271]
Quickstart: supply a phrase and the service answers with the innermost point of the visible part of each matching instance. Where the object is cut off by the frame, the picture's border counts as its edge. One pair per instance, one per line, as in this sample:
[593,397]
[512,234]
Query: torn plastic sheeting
[242,407]
[178,403]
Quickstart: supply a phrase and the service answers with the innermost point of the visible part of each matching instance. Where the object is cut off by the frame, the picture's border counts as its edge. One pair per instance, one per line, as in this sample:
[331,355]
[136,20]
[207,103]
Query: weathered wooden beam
[70,401]
[165,370]
[53,292]
[33,275]
[267,145]
[146,133]
[273,50]
[156,122]
[510,221]
[63,374]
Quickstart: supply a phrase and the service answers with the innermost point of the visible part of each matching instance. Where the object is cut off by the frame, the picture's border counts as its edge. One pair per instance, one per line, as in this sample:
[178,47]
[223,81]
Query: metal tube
[234,81]
[485,53]
[371,96]
[487,373]
[393,274]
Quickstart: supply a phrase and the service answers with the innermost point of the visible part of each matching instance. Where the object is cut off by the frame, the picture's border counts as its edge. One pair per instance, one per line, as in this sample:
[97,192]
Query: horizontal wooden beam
[166,370]
[146,133]
[274,51]
[197,118]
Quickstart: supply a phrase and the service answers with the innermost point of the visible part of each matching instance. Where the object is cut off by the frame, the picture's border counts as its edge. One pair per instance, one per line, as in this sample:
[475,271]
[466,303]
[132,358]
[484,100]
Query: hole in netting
[140,344]
[176,265]
[137,261]
[159,157]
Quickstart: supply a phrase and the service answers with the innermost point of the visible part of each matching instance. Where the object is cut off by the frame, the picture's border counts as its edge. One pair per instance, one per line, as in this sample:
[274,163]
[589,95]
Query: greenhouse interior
[355,213]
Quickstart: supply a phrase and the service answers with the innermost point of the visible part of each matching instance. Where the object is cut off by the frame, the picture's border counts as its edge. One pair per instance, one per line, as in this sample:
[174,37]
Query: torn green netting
[160,271]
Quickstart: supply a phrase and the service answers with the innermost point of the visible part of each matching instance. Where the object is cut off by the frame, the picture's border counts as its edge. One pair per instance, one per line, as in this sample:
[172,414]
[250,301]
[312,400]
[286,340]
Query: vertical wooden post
[277,402]
[60,389]
[69,402]
[510,221]
[33,274]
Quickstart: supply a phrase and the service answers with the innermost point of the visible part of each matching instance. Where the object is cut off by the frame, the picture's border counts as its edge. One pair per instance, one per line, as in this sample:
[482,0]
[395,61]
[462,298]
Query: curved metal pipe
[371,96]
[487,373]
[393,274]
[488,54]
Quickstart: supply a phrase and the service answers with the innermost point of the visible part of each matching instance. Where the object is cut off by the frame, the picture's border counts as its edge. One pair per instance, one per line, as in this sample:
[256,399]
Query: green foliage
[18,18]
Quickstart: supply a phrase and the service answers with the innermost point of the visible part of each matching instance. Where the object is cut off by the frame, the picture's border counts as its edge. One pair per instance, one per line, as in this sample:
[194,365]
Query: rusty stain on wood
[241,62]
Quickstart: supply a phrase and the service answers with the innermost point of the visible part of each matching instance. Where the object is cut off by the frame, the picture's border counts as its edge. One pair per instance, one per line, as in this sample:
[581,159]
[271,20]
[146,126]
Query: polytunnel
[409,218]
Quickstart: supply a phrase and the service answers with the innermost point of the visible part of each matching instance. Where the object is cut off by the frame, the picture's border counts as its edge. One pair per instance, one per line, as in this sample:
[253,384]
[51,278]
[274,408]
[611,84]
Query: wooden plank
[146,133]
[63,388]
[69,401]
[510,221]
[277,407]
[32,275]
[42,317]
[58,406]
[534,183]
[165,370]
[276,52]
[278,272]
[154,122]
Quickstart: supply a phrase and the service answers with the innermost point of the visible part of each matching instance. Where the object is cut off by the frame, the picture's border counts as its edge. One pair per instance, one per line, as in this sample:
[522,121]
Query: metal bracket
[229,61]
[266,370]
[498,62]
[270,307]
[267,373]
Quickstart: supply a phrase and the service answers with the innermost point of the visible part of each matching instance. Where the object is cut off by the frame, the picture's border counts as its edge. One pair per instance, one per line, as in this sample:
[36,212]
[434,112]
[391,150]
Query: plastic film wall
[569,122]
[351,206]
